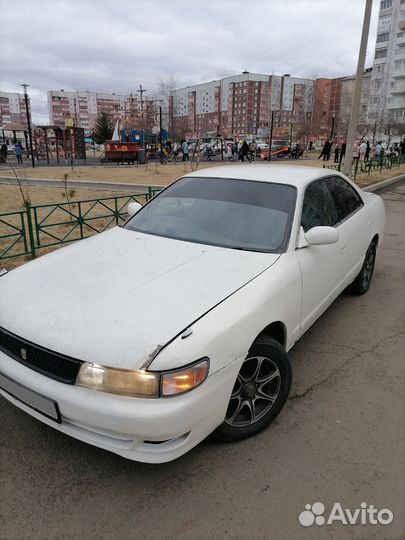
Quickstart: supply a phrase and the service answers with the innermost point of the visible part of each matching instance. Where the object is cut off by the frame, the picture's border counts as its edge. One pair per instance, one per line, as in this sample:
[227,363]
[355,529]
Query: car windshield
[238,214]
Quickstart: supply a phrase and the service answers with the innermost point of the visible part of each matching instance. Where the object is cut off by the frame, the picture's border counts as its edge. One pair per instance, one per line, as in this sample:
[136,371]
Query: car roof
[298,176]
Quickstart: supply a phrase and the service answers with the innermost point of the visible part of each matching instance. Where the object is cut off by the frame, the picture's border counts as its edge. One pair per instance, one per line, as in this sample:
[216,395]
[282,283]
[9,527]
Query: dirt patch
[157,174]
[152,174]
[11,199]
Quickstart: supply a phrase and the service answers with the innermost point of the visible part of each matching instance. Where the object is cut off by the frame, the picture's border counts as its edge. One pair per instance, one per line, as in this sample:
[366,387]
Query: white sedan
[145,339]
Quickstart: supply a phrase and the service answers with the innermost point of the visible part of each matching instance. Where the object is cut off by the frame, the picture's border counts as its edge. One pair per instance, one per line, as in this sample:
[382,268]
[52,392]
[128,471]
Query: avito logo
[366,514]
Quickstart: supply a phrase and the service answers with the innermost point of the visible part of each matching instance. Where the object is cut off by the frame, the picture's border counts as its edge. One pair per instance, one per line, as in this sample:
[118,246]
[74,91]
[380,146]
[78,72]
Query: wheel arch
[276,330]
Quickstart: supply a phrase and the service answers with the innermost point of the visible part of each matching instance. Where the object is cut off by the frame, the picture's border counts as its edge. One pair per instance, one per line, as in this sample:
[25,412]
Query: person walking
[252,149]
[326,151]
[368,150]
[244,151]
[185,150]
[355,160]
[378,151]
[342,151]
[3,153]
[337,152]
[362,154]
[18,152]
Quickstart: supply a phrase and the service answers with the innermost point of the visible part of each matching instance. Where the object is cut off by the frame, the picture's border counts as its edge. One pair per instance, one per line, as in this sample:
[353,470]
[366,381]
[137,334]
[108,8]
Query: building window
[399,65]
[383,37]
[381,53]
[386,4]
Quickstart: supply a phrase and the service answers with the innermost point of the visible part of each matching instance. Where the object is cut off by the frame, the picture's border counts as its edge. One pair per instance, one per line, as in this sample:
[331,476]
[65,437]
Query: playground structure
[60,143]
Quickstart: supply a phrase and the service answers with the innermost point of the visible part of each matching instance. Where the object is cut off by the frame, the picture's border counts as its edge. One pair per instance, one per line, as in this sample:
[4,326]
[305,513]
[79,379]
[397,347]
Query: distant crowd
[363,151]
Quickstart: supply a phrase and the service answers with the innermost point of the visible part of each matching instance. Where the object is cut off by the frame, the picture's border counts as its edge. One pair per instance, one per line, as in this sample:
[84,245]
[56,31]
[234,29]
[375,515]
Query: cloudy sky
[113,46]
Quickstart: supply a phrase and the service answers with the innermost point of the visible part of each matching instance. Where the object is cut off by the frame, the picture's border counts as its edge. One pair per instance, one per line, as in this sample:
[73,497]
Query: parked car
[146,338]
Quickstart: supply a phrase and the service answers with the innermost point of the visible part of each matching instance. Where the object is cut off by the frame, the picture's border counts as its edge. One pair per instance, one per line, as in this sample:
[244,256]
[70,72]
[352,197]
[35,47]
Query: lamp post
[25,86]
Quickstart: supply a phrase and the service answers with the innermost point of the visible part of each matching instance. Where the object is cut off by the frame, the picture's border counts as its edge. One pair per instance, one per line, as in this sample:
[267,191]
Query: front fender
[226,333]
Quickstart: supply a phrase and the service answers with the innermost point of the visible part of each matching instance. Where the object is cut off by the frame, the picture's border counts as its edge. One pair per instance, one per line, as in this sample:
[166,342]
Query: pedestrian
[244,151]
[368,150]
[229,152]
[362,153]
[18,152]
[3,153]
[326,151]
[337,152]
[402,148]
[356,147]
[378,151]
[342,150]
[185,150]
[252,148]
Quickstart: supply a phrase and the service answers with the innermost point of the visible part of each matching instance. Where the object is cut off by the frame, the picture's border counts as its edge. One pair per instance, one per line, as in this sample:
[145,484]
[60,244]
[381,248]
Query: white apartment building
[82,108]
[13,114]
[241,103]
[387,88]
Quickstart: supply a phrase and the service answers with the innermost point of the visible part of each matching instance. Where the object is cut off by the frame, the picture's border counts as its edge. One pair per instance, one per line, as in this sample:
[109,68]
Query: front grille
[54,365]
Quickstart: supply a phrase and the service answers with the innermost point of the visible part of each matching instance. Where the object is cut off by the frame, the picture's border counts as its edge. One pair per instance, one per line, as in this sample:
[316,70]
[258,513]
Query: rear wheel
[362,282]
[259,392]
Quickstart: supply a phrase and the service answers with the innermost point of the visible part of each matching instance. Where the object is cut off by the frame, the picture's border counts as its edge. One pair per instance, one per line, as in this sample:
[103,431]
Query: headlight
[141,383]
[125,382]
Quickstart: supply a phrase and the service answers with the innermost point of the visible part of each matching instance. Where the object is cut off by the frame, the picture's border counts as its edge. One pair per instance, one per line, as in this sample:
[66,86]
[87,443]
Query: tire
[259,392]
[363,280]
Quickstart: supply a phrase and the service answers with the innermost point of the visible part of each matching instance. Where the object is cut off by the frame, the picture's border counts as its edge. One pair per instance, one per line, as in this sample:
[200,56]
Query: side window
[319,208]
[345,197]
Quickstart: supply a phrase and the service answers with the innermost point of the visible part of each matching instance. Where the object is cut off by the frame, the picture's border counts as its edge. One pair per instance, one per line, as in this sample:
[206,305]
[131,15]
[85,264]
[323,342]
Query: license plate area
[45,406]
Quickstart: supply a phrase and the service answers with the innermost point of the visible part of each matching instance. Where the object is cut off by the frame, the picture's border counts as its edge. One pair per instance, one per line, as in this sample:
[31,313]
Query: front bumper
[148,430]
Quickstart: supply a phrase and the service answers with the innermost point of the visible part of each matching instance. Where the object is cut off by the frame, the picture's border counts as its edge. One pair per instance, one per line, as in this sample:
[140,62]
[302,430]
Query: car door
[352,224]
[320,265]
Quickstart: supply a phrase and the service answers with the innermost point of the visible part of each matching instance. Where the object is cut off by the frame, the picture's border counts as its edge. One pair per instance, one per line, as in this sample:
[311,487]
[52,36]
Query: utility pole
[271,133]
[160,128]
[141,92]
[25,86]
[354,116]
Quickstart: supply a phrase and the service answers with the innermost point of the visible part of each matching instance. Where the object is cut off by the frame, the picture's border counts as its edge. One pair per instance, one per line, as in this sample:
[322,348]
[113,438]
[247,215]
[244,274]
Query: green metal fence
[27,231]
[370,166]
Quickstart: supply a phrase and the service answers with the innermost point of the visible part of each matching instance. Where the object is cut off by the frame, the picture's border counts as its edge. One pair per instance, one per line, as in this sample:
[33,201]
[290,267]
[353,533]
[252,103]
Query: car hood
[114,298]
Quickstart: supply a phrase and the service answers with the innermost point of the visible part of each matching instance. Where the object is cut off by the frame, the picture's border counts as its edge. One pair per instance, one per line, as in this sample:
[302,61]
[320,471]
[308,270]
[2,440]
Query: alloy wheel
[255,391]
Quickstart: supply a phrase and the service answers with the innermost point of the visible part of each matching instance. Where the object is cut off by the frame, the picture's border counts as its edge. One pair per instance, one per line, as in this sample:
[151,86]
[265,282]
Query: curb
[384,183]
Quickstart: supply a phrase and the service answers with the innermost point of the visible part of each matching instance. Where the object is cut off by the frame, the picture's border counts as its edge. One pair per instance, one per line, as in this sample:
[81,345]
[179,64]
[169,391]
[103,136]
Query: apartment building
[387,88]
[83,108]
[13,115]
[240,104]
[327,104]
[346,99]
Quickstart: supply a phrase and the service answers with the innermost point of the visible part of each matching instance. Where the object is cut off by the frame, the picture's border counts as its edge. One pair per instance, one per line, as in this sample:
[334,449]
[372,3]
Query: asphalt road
[340,438]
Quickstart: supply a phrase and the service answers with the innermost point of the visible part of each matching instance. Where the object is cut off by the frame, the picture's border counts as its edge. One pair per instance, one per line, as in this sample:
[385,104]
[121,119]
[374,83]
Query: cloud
[113,47]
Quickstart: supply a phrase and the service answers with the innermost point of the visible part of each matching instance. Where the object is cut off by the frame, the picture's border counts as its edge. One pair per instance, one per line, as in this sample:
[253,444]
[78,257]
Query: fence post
[150,194]
[30,228]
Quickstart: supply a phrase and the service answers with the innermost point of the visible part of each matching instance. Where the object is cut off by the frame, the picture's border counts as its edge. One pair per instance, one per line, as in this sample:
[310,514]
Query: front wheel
[363,280]
[259,392]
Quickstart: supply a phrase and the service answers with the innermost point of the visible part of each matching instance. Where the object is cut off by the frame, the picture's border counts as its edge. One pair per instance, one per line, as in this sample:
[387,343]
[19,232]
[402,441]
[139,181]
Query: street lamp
[25,86]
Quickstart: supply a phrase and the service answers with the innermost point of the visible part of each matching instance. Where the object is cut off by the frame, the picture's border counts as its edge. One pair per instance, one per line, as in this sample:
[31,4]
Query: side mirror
[320,236]
[133,208]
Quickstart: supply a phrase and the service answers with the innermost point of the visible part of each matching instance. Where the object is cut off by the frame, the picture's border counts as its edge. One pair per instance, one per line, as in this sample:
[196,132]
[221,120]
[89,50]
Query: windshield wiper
[242,248]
